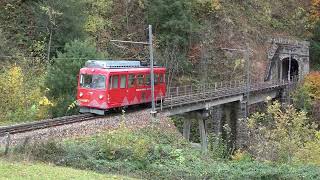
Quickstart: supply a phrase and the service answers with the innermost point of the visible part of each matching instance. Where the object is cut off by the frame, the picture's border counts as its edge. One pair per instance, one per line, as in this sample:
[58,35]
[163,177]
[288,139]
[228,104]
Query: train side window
[123,81]
[110,82]
[131,80]
[113,82]
[161,78]
[148,80]
[156,79]
[140,80]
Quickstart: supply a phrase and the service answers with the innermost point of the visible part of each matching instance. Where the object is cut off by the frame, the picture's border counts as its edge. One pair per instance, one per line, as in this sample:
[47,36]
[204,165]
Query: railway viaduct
[226,103]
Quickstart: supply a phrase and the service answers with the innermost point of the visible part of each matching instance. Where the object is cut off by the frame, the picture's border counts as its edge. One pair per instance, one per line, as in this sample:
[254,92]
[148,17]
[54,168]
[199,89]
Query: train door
[132,94]
[141,88]
[123,90]
[118,90]
[160,89]
[113,90]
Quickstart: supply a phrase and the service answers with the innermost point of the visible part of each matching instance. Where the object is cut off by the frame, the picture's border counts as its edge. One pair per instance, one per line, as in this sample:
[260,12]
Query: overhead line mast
[150,43]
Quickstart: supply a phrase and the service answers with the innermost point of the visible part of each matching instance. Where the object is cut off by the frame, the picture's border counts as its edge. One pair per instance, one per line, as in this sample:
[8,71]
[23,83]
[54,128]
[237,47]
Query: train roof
[106,66]
[114,64]
[133,70]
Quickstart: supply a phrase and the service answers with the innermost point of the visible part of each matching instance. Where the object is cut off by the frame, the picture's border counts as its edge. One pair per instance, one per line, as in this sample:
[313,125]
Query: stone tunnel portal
[290,68]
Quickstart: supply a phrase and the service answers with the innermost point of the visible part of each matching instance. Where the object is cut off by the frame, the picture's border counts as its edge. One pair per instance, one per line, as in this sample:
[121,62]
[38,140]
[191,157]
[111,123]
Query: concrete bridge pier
[201,117]
[186,128]
[216,121]
[229,120]
[241,125]
[231,126]
[225,121]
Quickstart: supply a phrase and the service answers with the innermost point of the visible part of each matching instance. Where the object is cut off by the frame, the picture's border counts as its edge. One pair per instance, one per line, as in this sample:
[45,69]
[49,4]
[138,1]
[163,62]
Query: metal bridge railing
[177,96]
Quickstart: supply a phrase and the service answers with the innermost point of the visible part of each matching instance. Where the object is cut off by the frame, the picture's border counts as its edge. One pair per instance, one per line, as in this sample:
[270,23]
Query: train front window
[92,81]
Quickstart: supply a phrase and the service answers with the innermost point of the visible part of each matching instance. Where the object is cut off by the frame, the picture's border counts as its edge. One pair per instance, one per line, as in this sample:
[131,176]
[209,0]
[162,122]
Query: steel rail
[25,127]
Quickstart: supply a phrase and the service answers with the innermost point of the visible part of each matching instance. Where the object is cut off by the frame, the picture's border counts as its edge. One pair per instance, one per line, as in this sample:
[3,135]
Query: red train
[105,85]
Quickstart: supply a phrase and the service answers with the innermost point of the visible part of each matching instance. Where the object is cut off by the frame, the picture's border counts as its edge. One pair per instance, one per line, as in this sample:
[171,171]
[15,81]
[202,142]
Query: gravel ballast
[132,120]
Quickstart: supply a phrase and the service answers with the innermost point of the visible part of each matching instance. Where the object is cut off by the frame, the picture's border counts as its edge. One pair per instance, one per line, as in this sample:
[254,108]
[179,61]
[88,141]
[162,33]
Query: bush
[310,153]
[155,153]
[22,96]
[125,146]
[278,134]
[307,96]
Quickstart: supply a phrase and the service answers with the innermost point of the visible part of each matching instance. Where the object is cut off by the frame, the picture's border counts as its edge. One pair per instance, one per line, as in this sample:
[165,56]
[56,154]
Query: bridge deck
[187,95]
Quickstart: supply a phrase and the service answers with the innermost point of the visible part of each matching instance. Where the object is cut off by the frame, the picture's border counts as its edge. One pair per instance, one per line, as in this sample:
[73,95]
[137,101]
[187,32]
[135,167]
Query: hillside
[55,38]
[44,43]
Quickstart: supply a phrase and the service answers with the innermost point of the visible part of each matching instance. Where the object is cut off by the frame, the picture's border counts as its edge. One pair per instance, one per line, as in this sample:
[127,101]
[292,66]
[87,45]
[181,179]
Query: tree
[22,96]
[307,96]
[62,74]
[172,20]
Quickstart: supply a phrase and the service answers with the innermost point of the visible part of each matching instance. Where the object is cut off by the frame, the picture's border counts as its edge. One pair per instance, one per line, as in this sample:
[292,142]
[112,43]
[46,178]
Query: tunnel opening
[290,68]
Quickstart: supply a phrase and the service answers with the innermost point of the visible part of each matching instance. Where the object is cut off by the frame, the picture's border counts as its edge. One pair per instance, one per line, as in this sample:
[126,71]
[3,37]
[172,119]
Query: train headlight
[81,94]
[101,96]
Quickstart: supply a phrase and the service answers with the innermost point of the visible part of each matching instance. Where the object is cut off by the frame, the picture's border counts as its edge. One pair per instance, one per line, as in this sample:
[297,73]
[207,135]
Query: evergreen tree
[315,47]
[62,74]
[172,20]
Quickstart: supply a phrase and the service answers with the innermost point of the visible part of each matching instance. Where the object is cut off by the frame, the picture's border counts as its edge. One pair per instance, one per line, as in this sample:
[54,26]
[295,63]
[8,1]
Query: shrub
[167,156]
[310,153]
[124,145]
[307,96]
[22,96]
[278,134]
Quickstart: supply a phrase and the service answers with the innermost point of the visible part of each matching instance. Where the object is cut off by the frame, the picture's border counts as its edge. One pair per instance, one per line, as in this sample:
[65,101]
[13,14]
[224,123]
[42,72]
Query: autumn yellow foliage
[310,153]
[315,10]
[312,85]
[21,97]
[280,133]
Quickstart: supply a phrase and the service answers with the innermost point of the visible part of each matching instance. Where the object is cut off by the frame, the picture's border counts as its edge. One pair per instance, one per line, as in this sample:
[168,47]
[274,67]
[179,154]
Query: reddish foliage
[194,54]
[312,82]
[315,10]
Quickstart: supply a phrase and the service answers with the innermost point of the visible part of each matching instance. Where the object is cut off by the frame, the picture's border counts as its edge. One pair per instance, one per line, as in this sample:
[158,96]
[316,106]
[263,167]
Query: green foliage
[315,47]
[66,20]
[98,16]
[20,25]
[302,100]
[61,78]
[172,20]
[157,153]
[278,134]
[123,145]
[218,146]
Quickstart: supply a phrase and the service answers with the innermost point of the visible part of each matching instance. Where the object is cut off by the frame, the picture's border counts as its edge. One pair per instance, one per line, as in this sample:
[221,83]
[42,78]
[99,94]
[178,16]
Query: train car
[105,85]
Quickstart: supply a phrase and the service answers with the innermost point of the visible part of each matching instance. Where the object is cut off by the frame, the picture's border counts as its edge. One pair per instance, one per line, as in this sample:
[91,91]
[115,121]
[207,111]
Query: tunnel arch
[294,69]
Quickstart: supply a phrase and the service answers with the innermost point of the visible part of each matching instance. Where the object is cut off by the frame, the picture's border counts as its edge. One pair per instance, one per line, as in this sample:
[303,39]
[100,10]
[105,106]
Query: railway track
[25,127]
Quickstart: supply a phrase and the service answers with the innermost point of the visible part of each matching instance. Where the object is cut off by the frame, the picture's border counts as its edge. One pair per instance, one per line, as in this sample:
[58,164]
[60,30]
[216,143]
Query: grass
[26,170]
